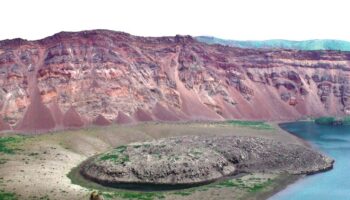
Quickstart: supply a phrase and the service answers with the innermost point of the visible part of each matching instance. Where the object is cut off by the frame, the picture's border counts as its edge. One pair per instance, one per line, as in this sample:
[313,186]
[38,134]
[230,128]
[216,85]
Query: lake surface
[335,184]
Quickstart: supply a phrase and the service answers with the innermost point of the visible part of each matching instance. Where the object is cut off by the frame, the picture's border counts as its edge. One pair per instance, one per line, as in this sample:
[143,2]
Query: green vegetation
[231,183]
[183,193]
[117,155]
[134,195]
[247,185]
[7,195]
[117,158]
[251,124]
[346,120]
[325,120]
[121,149]
[8,144]
[259,186]
[3,161]
[333,121]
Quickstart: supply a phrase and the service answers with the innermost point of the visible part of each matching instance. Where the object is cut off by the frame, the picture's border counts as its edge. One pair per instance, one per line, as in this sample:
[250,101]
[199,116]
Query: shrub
[325,120]
[346,120]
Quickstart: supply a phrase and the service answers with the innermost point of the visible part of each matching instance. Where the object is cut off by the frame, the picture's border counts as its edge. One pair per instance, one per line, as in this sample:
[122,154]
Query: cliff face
[102,74]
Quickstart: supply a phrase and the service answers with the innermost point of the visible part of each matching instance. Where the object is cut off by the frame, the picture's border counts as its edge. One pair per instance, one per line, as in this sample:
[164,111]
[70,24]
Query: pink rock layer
[3,125]
[100,120]
[123,118]
[72,119]
[103,73]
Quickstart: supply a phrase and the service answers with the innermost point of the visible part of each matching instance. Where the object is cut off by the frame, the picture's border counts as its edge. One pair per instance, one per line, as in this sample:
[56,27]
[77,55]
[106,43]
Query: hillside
[75,79]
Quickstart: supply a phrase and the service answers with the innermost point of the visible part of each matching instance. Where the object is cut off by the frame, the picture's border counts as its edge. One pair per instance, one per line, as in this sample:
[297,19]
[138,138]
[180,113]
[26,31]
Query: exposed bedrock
[3,125]
[198,159]
[102,73]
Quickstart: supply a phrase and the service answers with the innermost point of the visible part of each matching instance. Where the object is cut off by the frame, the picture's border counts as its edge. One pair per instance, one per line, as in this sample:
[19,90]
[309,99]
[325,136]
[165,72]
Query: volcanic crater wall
[91,76]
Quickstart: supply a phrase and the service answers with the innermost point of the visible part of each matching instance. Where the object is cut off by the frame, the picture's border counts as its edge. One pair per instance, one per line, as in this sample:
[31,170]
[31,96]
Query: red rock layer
[72,119]
[163,114]
[100,120]
[103,71]
[3,125]
[37,116]
[123,118]
[142,115]
[56,113]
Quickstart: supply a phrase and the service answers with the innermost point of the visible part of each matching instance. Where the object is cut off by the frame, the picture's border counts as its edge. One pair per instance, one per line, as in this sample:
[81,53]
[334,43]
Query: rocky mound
[72,119]
[123,118]
[194,159]
[100,120]
[163,114]
[38,116]
[143,115]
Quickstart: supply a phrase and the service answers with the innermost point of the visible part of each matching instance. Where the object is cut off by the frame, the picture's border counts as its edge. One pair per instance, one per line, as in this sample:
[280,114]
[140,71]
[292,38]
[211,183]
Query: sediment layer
[91,76]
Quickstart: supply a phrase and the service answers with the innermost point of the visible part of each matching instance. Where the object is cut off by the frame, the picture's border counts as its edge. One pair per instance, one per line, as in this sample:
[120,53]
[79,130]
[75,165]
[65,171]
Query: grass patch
[117,158]
[183,193]
[121,149]
[7,195]
[251,124]
[117,155]
[134,195]
[259,186]
[8,144]
[238,183]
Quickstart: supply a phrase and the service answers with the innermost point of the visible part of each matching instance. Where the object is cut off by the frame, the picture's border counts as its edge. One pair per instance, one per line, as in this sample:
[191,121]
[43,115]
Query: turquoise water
[335,184]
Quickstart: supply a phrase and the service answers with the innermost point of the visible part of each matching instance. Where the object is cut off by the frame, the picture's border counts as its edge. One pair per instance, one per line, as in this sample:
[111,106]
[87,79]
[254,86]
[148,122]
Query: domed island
[194,160]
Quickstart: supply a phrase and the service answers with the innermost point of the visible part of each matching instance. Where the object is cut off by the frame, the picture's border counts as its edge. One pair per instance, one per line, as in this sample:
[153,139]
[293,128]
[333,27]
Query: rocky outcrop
[100,120]
[72,119]
[56,113]
[3,125]
[37,116]
[198,159]
[123,118]
[142,115]
[103,72]
[163,114]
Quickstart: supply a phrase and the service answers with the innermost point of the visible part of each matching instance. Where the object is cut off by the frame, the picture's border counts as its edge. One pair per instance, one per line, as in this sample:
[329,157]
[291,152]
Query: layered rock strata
[104,73]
